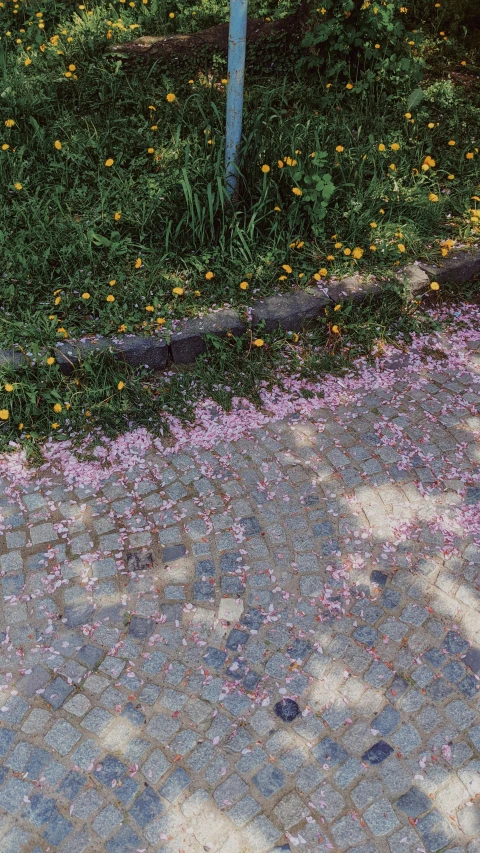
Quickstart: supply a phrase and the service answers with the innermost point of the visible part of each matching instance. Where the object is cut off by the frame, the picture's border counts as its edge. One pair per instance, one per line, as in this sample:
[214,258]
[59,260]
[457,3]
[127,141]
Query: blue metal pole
[237,40]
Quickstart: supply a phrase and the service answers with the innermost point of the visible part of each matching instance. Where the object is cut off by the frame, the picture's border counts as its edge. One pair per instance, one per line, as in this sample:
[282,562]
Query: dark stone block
[125,841]
[175,785]
[438,689]
[149,352]
[39,810]
[391,599]
[366,635]
[290,311]
[463,267]
[378,578]
[414,802]
[56,693]
[173,552]
[377,753]
[7,736]
[126,791]
[78,614]
[299,649]
[435,831]
[251,526]
[189,343]
[57,829]
[386,721]
[329,752]
[109,769]
[140,627]
[232,586]
[72,785]
[253,619]
[205,568]
[12,358]
[139,561]
[237,669]
[472,660]
[250,681]
[90,655]
[230,562]
[269,780]
[472,495]
[135,717]
[146,807]
[203,591]
[469,686]
[454,643]
[237,638]
[286,710]
[323,528]
[454,671]
[214,658]
[435,658]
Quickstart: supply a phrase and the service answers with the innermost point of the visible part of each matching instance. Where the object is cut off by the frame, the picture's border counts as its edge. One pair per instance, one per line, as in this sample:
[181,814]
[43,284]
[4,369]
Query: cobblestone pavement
[268,644]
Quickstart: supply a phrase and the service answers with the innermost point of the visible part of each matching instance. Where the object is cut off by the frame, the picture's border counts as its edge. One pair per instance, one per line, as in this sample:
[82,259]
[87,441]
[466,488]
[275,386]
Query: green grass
[60,240]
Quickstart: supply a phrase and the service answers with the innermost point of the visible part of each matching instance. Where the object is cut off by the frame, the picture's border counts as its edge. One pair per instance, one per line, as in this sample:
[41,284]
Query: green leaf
[414,99]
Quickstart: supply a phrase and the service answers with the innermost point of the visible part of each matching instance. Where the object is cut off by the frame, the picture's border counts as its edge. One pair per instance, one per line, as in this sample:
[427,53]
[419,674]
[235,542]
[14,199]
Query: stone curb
[289,311]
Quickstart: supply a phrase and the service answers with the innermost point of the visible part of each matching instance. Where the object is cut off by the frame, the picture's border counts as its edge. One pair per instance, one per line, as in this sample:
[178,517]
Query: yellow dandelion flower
[8,387]
[171,97]
[9,122]
[337,308]
[382,147]
[244,285]
[57,408]
[347,252]
[287,268]
[393,167]
[280,164]
[85,295]
[357,253]
[121,385]
[450,177]
[110,297]
[117,216]
[4,414]
[160,321]
[109,162]
[339,148]
[451,142]
[138,263]
[401,247]
[50,360]
[297,191]
[335,330]
[330,257]
[395,146]
[433,197]
[178,291]
[209,275]
[265,168]
[58,145]
[349,86]
[18,186]
[5,146]
[434,285]
[470,155]
[28,61]
[258,342]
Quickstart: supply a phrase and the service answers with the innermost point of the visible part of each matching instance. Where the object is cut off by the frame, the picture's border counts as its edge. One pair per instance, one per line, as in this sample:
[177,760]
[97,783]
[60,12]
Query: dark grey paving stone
[329,752]
[214,658]
[299,650]
[435,658]
[472,495]
[472,660]
[36,680]
[454,643]
[173,552]
[366,635]
[386,721]
[109,770]
[57,829]
[80,614]
[378,578]
[125,841]
[139,561]
[205,568]
[251,526]
[237,638]
[7,736]
[140,627]
[377,753]
[39,810]
[269,780]
[72,785]
[435,831]
[56,693]
[90,655]
[414,802]
[230,561]
[175,785]
[146,807]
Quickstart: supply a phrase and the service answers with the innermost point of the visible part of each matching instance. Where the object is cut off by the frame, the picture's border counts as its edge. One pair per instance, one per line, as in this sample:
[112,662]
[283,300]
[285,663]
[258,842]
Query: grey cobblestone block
[381,818]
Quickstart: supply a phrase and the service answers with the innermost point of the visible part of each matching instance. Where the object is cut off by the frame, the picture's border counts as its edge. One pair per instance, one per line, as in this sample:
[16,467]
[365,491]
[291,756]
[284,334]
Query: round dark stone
[287,710]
